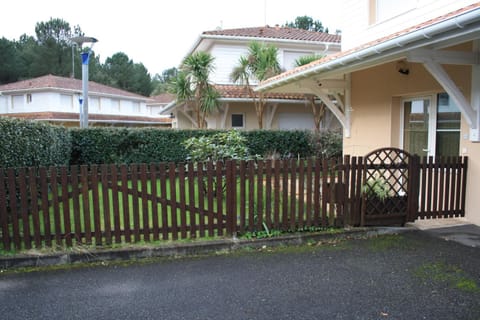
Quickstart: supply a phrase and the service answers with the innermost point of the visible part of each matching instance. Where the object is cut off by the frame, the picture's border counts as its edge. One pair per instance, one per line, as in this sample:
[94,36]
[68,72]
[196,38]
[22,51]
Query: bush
[32,144]
[327,144]
[285,144]
[227,145]
[146,145]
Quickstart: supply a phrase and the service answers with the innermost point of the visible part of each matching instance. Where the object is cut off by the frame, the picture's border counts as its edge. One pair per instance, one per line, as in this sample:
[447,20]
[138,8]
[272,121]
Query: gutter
[398,45]
[169,107]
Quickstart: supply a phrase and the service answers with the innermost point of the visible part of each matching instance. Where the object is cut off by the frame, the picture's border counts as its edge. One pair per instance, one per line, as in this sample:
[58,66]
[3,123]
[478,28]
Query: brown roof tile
[374,42]
[70,116]
[241,92]
[163,98]
[268,32]
[51,81]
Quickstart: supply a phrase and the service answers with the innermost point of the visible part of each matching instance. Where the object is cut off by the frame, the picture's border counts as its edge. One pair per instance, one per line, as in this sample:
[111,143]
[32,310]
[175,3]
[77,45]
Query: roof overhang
[411,44]
[458,29]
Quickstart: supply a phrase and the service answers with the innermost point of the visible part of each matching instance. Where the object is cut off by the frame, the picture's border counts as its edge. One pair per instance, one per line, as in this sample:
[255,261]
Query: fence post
[413,187]
[230,194]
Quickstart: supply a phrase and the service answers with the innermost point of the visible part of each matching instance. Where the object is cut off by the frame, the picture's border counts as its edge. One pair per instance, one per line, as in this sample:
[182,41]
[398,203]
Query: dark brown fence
[105,204]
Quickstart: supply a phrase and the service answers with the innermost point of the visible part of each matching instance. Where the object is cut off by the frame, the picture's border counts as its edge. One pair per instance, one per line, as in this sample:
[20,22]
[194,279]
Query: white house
[55,99]
[237,110]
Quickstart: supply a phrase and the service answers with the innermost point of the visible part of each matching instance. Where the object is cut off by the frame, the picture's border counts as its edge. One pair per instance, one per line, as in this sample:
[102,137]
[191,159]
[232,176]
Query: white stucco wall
[358,18]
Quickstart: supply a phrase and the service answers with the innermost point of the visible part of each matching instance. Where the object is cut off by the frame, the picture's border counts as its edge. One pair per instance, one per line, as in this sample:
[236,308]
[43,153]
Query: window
[431,131]
[447,127]
[29,98]
[238,120]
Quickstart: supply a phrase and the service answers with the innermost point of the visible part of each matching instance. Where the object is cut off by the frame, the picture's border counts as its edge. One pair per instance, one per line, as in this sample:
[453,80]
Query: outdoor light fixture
[85,59]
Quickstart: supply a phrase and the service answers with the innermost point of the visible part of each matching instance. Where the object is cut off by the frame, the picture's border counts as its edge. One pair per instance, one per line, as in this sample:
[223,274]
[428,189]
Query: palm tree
[192,86]
[260,64]
[318,110]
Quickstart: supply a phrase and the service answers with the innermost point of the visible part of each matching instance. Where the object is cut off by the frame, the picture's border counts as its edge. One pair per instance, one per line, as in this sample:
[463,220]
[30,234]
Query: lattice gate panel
[386,187]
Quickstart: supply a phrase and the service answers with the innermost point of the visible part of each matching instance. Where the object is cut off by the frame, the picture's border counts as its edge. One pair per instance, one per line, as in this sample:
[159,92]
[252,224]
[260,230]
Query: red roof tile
[56,82]
[241,92]
[373,43]
[276,33]
[163,98]
[70,116]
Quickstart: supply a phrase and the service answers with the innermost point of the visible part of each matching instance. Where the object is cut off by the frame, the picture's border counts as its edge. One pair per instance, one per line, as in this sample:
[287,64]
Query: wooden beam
[437,71]
[444,57]
[270,115]
[224,116]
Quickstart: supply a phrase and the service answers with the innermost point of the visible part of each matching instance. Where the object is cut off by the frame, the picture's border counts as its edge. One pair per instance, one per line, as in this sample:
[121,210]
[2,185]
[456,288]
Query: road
[413,275]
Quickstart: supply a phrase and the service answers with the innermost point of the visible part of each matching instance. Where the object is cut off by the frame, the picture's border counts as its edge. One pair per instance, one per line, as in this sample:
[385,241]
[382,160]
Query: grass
[132,216]
[451,275]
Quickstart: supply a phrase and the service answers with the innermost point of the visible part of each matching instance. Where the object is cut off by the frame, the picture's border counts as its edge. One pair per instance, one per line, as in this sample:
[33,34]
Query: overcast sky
[158,33]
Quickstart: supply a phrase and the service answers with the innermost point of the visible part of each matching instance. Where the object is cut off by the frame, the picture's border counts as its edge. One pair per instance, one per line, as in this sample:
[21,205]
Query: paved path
[408,276]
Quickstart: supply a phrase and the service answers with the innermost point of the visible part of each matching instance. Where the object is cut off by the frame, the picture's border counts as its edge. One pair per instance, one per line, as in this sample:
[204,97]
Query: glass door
[431,126]
[416,123]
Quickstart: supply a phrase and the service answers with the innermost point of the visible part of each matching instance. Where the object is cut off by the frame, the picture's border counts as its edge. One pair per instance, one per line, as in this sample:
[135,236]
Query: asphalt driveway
[413,275]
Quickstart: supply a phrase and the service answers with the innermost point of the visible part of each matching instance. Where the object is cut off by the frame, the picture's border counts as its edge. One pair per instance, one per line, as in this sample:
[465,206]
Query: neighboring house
[157,103]
[237,109]
[408,77]
[56,100]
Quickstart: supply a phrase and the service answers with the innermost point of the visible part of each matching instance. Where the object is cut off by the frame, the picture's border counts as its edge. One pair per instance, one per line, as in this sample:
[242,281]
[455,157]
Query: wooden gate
[389,190]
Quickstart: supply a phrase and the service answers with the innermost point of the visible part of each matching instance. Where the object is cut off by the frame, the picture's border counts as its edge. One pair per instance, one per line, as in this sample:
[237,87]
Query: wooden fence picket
[102,204]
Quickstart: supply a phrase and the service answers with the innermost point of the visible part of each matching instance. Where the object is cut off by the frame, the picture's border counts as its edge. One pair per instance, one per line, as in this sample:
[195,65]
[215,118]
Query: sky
[158,33]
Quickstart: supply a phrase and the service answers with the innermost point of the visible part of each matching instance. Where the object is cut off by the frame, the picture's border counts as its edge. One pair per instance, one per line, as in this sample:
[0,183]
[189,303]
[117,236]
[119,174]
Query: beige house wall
[376,117]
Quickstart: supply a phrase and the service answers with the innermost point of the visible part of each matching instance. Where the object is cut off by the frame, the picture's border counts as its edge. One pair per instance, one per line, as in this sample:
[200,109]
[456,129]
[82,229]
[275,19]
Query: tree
[121,72]
[318,110]
[54,48]
[163,83]
[10,63]
[307,23]
[260,64]
[192,86]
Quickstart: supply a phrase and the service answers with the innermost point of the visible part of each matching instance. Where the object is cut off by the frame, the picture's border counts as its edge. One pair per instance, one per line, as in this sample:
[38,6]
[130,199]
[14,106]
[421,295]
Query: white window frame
[432,121]
[243,120]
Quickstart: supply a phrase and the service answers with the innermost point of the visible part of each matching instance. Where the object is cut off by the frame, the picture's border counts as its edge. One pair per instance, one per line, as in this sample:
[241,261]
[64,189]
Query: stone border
[193,248]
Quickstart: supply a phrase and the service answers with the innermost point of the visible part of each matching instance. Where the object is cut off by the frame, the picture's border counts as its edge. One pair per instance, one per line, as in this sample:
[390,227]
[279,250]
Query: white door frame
[432,121]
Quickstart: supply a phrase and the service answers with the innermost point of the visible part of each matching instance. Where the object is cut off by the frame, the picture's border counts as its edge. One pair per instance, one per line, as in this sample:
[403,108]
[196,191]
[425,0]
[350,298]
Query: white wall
[64,102]
[359,25]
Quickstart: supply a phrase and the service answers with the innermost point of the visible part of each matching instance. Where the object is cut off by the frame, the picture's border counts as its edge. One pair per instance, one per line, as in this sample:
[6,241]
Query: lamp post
[85,59]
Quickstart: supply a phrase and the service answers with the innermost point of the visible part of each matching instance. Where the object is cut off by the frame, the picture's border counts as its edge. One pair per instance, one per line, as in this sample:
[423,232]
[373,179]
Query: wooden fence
[105,204]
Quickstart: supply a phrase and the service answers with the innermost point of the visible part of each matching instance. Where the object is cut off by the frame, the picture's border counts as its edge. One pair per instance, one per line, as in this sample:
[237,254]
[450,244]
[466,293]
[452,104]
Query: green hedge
[30,144]
[145,145]
[276,143]
[122,145]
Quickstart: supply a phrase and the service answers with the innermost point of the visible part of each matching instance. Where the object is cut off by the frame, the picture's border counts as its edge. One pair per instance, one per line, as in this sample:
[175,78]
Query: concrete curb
[193,248]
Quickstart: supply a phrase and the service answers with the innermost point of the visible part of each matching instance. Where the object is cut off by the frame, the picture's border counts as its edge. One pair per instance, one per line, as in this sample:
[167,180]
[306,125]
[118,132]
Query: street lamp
[85,59]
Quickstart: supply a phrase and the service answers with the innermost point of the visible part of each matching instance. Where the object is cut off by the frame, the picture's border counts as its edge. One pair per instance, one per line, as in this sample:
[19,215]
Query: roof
[399,42]
[241,92]
[276,32]
[163,98]
[70,84]
[71,116]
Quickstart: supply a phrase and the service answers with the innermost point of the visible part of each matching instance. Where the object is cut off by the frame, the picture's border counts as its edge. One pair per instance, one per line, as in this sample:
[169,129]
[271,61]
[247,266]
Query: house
[157,103]
[55,99]
[237,109]
[408,77]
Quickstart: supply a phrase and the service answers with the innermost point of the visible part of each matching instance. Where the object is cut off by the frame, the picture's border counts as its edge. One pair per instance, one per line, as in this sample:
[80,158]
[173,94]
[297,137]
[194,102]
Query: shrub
[220,146]
[31,144]
[286,144]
